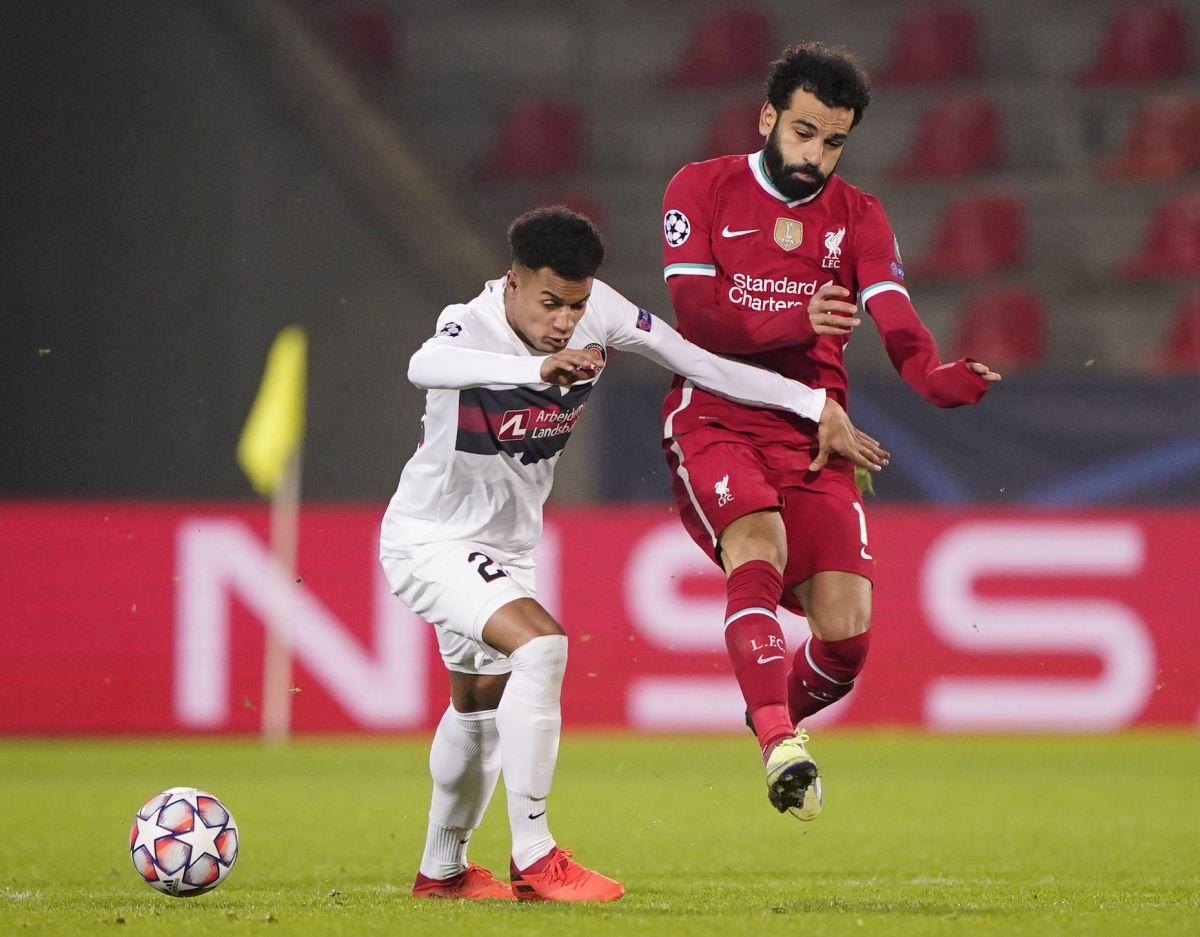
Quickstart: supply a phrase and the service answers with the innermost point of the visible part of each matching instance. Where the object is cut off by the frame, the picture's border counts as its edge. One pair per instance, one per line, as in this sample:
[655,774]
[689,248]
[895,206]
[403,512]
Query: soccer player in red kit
[769,258]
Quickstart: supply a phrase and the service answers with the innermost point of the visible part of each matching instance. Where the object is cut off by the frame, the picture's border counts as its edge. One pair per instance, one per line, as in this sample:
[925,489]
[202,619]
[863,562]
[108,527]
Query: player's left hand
[830,315]
[984,371]
[836,434]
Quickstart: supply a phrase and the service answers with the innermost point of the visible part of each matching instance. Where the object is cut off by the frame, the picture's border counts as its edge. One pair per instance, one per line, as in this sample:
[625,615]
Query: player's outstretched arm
[914,355]
[728,330]
[440,366]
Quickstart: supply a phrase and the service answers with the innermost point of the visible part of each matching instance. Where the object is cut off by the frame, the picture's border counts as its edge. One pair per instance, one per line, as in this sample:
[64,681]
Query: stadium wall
[126,617]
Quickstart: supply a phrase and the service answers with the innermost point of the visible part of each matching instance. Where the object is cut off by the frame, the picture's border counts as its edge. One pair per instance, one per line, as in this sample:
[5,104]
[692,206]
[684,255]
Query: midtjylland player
[508,375]
[769,258]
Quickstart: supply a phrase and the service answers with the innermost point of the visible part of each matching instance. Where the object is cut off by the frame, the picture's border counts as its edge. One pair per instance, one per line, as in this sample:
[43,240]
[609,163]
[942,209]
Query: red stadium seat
[934,45]
[366,37]
[1172,122]
[725,47]
[1171,245]
[959,137]
[1145,42]
[977,234]
[537,139]
[581,202]
[734,130]
[1181,345]
[1003,327]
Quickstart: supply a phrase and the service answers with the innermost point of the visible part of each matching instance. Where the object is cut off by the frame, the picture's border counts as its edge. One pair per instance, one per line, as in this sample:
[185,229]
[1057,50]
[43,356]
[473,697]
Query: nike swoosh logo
[726,233]
[767,660]
[534,816]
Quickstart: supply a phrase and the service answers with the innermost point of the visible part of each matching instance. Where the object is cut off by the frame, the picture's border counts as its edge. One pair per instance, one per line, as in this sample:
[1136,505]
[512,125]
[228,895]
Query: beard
[786,176]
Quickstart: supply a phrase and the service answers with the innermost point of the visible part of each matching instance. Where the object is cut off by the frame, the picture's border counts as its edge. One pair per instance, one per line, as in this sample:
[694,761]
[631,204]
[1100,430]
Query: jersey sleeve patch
[644,320]
[676,227]
[452,329]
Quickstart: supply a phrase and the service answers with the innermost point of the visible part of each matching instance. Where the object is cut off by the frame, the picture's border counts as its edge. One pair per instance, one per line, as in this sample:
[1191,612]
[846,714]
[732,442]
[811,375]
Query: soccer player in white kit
[508,375]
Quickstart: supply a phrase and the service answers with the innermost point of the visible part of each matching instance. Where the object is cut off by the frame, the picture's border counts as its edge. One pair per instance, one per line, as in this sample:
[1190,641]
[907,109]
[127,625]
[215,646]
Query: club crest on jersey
[833,249]
[676,227]
[721,489]
[789,233]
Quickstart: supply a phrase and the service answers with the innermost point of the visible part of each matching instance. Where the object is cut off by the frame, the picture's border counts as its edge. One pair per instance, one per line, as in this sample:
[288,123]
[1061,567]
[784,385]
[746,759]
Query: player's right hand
[830,315]
[566,367]
[836,434]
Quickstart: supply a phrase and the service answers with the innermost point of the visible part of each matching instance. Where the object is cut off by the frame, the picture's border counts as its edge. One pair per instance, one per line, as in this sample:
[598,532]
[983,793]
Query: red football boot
[555,877]
[473,882]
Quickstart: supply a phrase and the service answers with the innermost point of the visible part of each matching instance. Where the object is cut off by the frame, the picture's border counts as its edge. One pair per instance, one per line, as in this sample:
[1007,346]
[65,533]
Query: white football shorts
[456,587]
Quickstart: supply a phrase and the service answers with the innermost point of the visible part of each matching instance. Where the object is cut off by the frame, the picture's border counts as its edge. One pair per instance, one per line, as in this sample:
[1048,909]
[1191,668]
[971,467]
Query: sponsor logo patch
[514,424]
[645,320]
[897,270]
[789,233]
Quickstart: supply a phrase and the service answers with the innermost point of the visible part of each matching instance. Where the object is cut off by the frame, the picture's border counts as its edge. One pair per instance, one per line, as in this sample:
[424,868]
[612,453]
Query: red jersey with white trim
[768,255]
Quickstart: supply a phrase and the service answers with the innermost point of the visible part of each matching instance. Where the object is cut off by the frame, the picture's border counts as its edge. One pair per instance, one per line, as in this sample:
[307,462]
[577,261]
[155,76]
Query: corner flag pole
[270,452]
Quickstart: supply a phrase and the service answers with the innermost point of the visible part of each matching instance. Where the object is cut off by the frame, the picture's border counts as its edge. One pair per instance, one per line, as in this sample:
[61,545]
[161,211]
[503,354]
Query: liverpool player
[771,257]
[508,376]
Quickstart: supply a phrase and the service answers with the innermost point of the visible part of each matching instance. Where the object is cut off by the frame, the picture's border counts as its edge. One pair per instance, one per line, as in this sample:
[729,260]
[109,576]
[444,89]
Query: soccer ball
[183,841]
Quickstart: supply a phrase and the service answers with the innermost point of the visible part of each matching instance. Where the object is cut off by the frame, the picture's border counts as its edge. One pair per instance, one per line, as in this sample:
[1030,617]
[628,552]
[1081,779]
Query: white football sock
[464,761]
[529,721]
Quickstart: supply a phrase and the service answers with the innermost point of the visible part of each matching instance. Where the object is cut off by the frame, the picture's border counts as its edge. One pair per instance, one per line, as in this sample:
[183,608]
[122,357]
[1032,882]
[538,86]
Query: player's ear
[767,118]
[510,281]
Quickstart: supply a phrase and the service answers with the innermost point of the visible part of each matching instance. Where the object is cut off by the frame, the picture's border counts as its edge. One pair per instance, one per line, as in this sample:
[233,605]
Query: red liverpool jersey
[724,219]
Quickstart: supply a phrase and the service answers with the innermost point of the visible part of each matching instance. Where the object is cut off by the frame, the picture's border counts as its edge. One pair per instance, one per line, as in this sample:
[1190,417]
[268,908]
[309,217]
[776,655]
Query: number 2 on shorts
[486,563]
[862,531]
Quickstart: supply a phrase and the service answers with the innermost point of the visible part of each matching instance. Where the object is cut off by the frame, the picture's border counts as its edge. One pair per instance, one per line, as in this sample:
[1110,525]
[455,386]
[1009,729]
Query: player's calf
[823,672]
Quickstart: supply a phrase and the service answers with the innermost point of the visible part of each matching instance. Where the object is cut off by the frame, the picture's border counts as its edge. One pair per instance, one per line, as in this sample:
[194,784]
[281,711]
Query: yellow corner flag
[275,428]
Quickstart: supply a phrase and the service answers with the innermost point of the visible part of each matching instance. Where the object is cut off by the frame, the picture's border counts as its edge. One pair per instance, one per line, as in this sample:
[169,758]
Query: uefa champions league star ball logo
[676,227]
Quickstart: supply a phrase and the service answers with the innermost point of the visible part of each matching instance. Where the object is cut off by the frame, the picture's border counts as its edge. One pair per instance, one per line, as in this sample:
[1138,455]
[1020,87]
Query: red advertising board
[149,618]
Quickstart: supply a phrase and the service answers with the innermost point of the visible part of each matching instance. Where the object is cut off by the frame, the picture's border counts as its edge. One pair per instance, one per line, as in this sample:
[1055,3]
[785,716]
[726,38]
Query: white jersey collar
[758,168]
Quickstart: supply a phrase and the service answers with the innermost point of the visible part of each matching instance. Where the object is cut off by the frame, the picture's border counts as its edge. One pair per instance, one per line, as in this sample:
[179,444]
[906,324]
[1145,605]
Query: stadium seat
[1004,327]
[582,202]
[1172,124]
[933,45]
[1144,42]
[975,235]
[959,137]
[366,37]
[1180,349]
[725,47]
[1171,245]
[538,138]
[734,129]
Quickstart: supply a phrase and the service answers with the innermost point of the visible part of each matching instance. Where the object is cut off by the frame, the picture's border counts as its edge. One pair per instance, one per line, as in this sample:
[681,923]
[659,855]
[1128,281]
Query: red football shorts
[719,475]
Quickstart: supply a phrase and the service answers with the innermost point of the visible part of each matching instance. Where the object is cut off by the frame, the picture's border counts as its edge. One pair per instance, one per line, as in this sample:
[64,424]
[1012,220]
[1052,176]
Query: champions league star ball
[183,842]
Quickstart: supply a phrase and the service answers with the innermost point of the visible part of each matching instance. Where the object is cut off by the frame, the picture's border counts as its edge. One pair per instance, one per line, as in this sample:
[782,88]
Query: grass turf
[921,835]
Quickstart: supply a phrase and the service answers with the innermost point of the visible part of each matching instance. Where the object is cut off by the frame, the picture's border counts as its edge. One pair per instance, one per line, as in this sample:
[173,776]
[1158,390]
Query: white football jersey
[493,430]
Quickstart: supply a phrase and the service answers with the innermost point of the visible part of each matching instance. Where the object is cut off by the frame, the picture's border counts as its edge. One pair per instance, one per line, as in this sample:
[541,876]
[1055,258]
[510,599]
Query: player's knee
[753,538]
[840,622]
[546,653]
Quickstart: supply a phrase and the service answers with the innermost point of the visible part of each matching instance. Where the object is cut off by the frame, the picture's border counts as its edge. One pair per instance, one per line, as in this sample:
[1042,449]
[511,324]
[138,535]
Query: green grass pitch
[920,835]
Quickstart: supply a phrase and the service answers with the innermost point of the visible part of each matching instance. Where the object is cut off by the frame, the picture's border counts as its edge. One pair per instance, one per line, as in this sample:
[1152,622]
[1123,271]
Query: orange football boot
[473,882]
[555,877]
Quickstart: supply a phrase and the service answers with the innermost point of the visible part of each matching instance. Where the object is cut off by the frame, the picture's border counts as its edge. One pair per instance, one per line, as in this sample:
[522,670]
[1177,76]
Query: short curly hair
[831,73]
[556,237]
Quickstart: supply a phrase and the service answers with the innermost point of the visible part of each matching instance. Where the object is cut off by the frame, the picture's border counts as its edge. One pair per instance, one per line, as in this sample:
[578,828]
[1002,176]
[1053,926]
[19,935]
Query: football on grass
[183,841]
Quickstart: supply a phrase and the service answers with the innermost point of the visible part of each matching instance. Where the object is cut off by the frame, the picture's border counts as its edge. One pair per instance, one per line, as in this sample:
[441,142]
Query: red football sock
[823,672]
[755,644]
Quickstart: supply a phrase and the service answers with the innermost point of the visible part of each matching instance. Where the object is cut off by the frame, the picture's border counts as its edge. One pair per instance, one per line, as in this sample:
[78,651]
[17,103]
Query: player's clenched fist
[830,315]
[566,367]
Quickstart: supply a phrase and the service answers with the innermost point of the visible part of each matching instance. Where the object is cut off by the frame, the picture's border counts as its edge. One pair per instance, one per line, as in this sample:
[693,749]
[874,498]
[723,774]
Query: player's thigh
[476,692]
[457,587]
[826,533]
[719,478]
[837,604]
